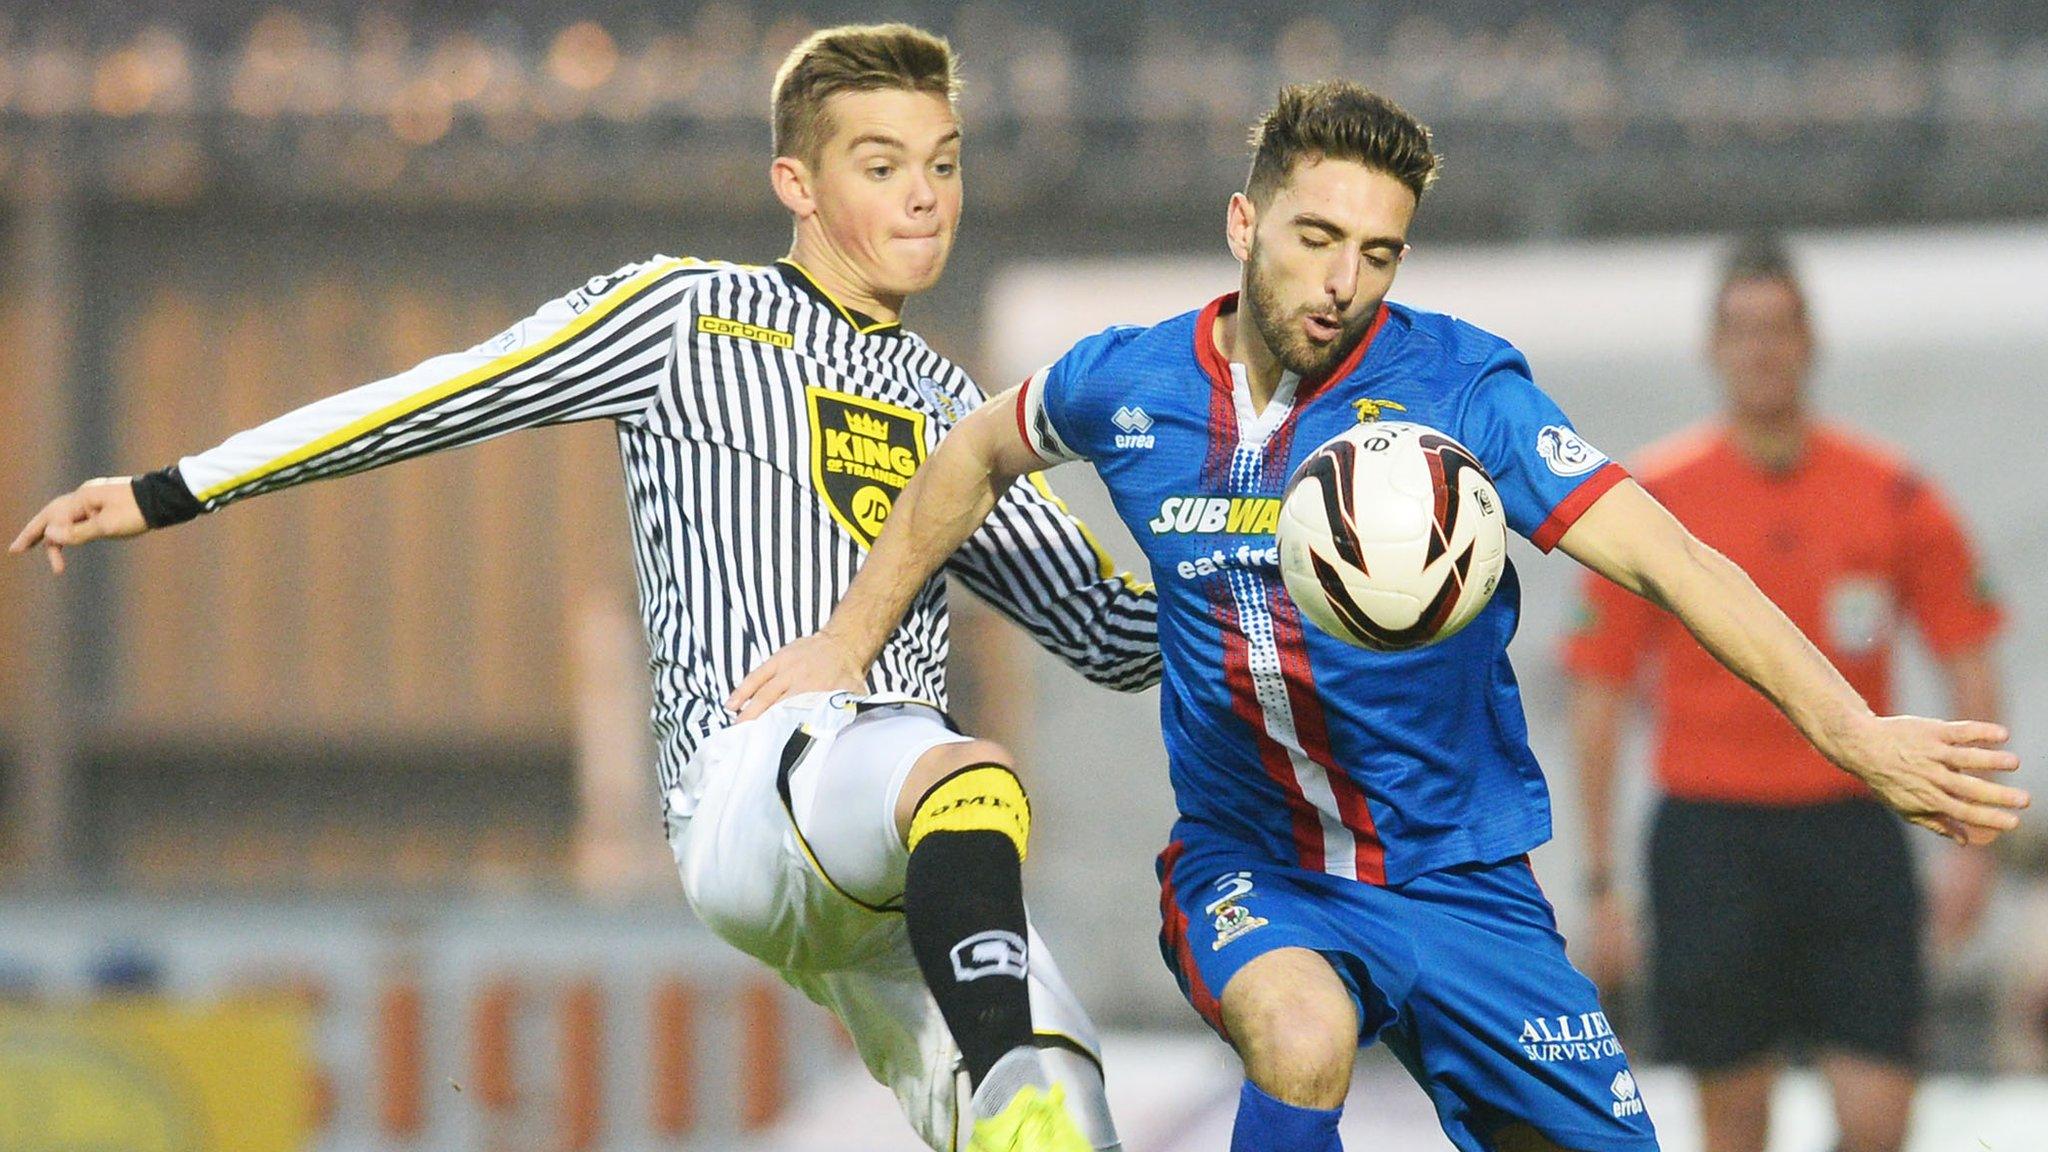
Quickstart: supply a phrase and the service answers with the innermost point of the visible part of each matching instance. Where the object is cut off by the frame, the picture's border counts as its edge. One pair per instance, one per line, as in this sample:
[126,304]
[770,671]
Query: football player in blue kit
[1351,863]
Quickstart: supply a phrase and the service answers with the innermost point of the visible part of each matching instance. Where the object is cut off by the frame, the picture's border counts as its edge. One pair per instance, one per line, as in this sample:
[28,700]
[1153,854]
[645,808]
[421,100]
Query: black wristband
[164,499]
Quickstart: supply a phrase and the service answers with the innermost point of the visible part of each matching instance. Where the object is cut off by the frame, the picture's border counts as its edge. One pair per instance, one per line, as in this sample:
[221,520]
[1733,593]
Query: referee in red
[1785,913]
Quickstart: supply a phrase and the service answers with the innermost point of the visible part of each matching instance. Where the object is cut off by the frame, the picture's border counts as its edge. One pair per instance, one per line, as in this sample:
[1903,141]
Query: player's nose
[1342,281]
[924,195]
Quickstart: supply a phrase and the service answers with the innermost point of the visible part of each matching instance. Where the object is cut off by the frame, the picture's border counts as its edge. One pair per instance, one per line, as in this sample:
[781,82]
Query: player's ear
[791,179]
[1240,220]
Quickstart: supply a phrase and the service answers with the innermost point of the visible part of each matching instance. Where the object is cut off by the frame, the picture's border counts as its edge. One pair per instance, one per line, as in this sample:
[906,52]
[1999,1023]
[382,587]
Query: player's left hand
[816,663]
[1928,772]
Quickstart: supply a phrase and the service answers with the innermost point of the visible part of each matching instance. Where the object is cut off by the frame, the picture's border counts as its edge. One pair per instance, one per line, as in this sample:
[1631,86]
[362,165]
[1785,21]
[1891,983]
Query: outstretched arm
[943,504]
[1926,770]
[599,351]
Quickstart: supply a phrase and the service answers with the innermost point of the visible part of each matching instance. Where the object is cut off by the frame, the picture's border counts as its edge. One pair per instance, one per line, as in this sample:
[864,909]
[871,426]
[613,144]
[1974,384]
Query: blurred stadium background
[328,822]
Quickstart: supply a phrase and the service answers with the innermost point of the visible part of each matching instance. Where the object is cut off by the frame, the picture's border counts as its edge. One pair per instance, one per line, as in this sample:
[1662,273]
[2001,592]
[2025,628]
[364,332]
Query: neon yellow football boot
[1035,1121]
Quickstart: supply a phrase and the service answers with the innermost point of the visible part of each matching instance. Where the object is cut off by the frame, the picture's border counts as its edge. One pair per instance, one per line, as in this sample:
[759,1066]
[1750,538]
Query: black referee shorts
[1783,928]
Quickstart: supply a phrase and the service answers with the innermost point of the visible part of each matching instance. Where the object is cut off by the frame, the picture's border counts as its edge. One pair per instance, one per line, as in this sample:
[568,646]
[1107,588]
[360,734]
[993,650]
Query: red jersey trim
[1572,507]
[1217,366]
[1369,857]
[1024,423]
[1304,822]
[1207,354]
[1173,931]
[1023,432]
[1222,388]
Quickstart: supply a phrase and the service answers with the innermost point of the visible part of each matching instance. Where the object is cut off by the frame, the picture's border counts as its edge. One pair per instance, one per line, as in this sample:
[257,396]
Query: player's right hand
[98,509]
[816,663]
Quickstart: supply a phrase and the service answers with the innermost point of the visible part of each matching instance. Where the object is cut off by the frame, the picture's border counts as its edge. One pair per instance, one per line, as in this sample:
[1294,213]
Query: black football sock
[963,901]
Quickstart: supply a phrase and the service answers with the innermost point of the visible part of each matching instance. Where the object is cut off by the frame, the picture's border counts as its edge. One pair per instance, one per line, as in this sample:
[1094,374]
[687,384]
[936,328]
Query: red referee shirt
[1849,542]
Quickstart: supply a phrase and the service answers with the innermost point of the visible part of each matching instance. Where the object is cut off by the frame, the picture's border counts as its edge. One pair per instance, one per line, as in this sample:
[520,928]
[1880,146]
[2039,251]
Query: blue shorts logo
[1585,1036]
[1627,1101]
[1232,918]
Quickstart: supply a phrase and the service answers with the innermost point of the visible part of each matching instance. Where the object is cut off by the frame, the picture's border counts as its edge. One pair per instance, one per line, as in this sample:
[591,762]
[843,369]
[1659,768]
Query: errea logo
[1136,426]
[1627,1100]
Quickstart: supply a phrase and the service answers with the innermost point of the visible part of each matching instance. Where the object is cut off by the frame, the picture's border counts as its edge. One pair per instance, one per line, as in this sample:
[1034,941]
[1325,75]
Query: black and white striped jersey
[766,431]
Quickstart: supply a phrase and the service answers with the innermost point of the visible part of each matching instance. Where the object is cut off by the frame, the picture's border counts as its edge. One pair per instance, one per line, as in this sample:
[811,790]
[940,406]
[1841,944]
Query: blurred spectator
[1786,915]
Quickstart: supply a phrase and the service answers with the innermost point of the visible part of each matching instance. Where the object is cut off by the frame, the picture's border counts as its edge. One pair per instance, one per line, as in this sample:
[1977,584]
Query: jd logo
[871,510]
[862,454]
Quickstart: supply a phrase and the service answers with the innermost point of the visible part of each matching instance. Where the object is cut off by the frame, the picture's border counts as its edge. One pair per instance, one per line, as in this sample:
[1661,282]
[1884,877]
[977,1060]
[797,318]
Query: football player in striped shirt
[1351,860]
[768,417]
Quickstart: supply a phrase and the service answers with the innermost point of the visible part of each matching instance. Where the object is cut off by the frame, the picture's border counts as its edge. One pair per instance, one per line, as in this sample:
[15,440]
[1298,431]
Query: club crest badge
[1370,410]
[949,410]
[1232,919]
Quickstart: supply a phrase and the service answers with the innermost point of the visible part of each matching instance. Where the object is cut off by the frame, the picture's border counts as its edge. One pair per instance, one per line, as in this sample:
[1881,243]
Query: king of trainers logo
[1586,1036]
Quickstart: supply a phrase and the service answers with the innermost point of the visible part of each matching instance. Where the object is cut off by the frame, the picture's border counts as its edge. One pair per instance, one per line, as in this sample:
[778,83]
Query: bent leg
[903,814]
[1068,1046]
[1292,1020]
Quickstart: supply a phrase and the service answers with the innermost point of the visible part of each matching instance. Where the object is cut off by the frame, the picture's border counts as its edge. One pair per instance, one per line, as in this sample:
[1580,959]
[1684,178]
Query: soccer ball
[1391,536]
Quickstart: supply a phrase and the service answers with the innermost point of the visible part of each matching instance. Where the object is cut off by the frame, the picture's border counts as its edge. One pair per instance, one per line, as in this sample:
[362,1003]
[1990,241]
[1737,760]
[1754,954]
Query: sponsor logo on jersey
[1566,453]
[1628,1101]
[1369,410]
[1586,1036]
[991,953]
[720,326]
[863,452]
[1136,426]
[1232,918]
[1233,515]
[1242,556]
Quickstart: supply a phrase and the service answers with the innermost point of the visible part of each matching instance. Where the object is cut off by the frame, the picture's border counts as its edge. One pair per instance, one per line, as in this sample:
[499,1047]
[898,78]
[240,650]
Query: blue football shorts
[1461,972]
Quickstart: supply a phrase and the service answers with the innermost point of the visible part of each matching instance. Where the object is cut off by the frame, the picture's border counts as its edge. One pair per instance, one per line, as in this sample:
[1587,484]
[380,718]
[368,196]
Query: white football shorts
[785,835]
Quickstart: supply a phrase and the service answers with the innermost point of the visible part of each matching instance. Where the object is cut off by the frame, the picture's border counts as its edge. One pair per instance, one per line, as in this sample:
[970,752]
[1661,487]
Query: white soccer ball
[1391,536]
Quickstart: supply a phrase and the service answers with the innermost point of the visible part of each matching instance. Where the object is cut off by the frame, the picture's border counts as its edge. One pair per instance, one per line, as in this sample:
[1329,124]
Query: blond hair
[854,58]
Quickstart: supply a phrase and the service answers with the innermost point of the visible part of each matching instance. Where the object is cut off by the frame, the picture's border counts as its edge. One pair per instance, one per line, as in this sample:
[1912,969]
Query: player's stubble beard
[1282,332]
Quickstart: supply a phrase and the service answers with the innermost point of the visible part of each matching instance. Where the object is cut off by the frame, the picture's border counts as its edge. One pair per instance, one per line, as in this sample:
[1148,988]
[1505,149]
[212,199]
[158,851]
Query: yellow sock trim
[984,798]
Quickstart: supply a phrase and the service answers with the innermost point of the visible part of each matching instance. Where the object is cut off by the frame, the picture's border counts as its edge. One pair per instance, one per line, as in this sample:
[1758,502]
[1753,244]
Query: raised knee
[1296,1045]
[948,758]
[981,795]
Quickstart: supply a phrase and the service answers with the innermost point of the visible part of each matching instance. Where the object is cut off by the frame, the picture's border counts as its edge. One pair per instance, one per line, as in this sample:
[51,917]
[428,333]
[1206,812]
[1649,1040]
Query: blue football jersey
[1378,766]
